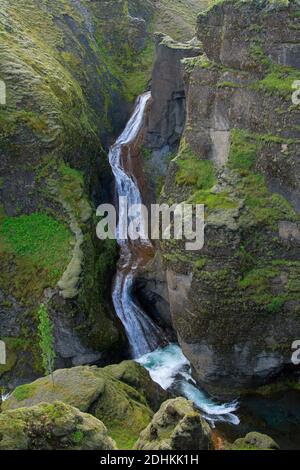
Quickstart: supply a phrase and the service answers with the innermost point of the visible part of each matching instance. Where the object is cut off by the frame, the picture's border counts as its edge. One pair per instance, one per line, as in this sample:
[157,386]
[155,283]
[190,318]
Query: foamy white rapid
[167,366]
[170,368]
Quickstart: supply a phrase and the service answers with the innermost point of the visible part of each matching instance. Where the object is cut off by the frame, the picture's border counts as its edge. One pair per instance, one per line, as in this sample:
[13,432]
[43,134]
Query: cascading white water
[167,366]
[143,335]
[170,368]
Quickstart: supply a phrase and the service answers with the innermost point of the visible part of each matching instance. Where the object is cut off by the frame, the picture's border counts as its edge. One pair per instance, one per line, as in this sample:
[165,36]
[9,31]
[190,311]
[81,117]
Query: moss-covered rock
[122,396]
[255,441]
[54,426]
[176,426]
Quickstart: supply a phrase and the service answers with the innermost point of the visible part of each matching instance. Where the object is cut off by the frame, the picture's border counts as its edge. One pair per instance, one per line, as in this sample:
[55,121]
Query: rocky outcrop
[52,427]
[123,396]
[176,426]
[255,441]
[167,117]
[235,304]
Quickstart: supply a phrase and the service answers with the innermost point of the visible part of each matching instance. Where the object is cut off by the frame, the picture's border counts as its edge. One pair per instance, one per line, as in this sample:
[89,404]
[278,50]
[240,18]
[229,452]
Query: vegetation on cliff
[239,156]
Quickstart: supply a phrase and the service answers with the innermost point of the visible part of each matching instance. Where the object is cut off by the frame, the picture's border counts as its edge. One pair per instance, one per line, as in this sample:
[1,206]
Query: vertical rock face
[167,117]
[239,156]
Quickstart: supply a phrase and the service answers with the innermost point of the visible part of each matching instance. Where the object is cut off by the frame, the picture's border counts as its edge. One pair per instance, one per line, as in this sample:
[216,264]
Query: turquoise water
[277,416]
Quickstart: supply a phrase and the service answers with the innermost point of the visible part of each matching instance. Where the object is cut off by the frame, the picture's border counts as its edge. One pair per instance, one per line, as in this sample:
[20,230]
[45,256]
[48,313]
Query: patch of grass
[38,236]
[259,54]
[262,206]
[228,85]
[257,281]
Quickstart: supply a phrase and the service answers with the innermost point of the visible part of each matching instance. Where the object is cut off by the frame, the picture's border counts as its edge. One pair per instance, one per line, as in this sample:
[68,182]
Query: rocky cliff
[63,101]
[235,304]
[71,69]
[68,92]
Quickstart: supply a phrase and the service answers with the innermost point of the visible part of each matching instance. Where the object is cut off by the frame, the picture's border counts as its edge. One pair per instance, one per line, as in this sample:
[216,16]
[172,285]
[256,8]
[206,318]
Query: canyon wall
[235,304]
[69,92]
[72,70]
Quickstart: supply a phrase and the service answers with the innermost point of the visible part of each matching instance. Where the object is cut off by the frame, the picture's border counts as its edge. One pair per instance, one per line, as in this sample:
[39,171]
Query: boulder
[255,441]
[176,426]
[122,396]
[54,426]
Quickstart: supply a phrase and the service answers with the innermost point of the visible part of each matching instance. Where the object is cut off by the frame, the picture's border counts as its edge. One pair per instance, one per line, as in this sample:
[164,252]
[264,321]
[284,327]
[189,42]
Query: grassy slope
[177,18]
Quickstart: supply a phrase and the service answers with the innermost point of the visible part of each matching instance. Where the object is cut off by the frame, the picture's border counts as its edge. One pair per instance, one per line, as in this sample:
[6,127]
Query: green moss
[39,238]
[16,347]
[263,207]
[23,392]
[258,54]
[259,278]
[214,201]
[278,81]
[258,284]
[243,446]
[125,413]
[194,171]
[78,437]
[137,80]
[243,150]
[200,263]
[275,305]
[228,84]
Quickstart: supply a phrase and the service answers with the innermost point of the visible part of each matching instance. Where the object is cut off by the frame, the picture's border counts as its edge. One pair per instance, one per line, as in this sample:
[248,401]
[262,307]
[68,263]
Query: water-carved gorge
[218,128]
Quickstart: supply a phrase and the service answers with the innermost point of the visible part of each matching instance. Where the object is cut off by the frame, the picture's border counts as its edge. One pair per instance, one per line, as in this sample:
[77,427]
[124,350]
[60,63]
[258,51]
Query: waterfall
[142,333]
[167,366]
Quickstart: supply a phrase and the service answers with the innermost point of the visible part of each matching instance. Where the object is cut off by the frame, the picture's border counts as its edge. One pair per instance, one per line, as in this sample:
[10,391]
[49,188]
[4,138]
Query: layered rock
[235,305]
[123,396]
[176,426]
